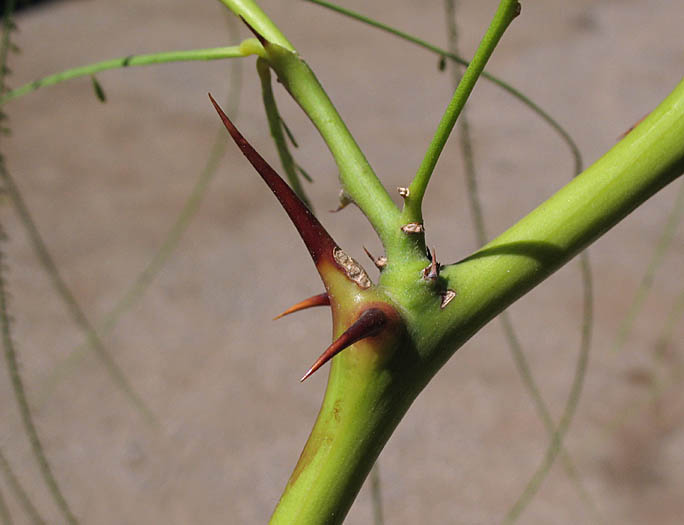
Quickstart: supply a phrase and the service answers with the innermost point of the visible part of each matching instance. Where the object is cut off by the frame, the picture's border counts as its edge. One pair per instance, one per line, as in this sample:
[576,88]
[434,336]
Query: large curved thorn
[317,300]
[369,323]
[318,241]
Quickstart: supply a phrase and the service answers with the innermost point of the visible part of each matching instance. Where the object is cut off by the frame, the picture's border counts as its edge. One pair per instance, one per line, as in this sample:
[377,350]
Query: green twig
[664,243]
[215,53]
[19,491]
[565,136]
[22,402]
[505,13]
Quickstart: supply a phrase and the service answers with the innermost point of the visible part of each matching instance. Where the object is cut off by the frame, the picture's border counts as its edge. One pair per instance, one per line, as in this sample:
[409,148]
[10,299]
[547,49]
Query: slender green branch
[275,124]
[505,13]
[22,402]
[459,60]
[663,245]
[215,53]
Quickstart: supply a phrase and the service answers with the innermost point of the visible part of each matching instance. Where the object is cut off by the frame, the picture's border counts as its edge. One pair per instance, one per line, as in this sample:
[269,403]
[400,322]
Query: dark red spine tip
[318,241]
[369,323]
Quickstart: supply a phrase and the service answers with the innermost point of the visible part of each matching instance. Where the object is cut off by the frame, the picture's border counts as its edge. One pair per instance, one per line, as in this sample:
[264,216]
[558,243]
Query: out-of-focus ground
[104,183]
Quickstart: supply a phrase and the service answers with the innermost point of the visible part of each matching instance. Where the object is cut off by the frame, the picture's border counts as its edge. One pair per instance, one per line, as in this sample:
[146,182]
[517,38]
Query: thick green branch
[647,159]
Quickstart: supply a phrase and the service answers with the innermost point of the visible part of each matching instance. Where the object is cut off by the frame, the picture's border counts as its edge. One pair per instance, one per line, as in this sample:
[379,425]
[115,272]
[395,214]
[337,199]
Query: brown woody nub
[431,273]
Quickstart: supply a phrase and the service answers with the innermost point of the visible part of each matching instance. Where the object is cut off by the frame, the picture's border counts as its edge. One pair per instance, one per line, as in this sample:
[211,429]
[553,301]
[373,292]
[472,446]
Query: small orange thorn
[316,300]
[368,324]
[623,135]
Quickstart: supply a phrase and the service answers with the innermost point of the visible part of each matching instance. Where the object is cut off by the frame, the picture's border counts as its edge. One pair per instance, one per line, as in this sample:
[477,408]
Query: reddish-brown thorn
[316,300]
[260,38]
[369,323]
[318,241]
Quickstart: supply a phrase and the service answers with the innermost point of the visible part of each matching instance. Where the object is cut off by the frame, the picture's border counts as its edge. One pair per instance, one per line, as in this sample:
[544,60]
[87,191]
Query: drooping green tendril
[5,515]
[8,343]
[565,136]
[67,297]
[20,396]
[522,365]
[376,494]
[661,249]
[145,278]
[19,492]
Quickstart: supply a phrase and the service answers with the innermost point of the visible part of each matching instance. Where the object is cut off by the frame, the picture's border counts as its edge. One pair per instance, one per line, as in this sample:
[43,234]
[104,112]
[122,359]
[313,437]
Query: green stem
[215,53]
[359,413]
[506,12]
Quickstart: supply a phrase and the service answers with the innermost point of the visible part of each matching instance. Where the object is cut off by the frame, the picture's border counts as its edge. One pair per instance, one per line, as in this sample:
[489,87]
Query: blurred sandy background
[104,183]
